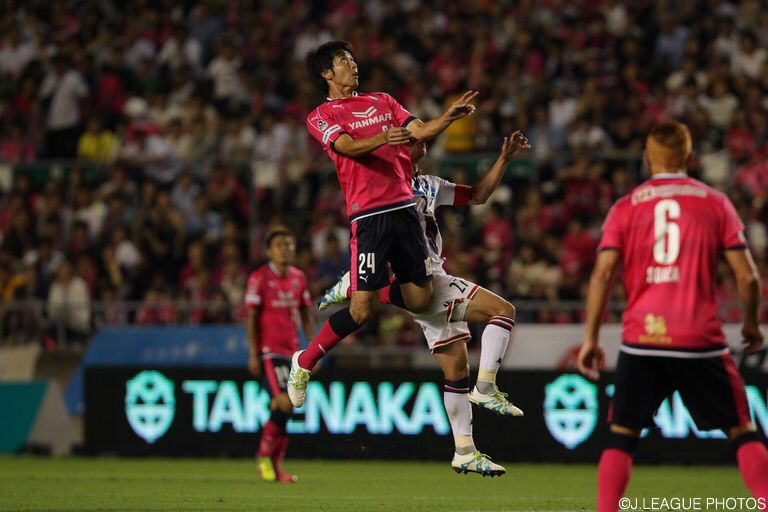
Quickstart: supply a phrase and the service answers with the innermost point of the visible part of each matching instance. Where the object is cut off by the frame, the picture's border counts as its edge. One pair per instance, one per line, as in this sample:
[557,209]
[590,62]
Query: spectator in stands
[182,51]
[748,59]
[182,92]
[719,104]
[69,303]
[153,156]
[15,146]
[15,53]
[183,195]
[155,309]
[97,144]
[63,93]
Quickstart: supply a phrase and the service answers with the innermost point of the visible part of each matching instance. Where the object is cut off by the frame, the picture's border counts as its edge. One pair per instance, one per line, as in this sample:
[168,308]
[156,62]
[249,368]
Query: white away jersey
[431,192]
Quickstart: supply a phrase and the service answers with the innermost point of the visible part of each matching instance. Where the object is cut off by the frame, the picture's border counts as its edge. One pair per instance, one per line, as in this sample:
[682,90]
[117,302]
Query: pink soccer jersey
[278,299]
[380,180]
[670,232]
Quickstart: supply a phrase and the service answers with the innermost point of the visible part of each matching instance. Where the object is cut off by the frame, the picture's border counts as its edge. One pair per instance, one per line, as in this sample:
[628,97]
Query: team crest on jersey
[367,113]
[655,330]
[320,123]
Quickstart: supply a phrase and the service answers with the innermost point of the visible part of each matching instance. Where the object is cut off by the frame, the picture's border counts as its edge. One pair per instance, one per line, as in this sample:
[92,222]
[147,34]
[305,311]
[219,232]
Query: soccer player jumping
[456,302]
[278,301]
[366,137]
[668,234]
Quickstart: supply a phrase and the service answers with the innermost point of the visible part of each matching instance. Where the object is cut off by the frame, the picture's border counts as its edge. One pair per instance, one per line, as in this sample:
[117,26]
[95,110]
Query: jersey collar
[275,271]
[354,93]
[669,175]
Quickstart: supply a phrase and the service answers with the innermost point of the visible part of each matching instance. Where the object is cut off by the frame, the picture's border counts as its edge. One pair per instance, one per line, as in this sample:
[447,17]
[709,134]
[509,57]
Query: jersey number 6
[666,246]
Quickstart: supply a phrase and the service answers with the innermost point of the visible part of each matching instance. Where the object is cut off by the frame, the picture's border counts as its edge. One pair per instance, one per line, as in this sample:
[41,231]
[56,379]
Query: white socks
[493,346]
[456,400]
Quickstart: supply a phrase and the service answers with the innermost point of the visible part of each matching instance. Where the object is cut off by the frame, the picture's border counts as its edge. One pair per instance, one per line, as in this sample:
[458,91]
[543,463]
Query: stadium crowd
[192,115]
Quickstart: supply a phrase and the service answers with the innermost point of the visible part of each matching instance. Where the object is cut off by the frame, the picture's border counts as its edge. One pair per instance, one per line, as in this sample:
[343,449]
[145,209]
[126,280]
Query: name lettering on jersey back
[370,121]
[660,275]
[650,192]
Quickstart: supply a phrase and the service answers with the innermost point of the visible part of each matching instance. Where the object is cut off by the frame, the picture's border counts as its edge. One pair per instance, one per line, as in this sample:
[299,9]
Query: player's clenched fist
[591,359]
[752,337]
[395,136]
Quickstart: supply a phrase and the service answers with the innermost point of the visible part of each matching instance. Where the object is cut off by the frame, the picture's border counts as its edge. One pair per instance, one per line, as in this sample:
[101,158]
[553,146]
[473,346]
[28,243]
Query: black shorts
[275,369]
[393,237]
[710,387]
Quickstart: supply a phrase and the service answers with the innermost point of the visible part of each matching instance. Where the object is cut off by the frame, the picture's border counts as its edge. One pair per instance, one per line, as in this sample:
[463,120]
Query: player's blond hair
[669,145]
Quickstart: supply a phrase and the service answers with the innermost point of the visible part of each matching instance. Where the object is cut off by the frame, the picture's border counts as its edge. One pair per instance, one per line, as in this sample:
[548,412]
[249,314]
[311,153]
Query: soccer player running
[456,302]
[668,234]
[366,137]
[278,302]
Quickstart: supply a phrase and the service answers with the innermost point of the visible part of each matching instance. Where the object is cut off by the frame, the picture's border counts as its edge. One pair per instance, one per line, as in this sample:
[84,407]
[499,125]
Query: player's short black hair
[278,231]
[321,60]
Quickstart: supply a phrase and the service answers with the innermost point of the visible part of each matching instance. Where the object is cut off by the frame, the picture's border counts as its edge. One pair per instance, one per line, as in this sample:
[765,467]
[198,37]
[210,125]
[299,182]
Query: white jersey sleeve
[445,191]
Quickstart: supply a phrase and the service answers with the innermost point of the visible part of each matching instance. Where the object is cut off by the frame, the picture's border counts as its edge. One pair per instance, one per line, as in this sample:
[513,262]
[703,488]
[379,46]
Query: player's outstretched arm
[348,146]
[425,130]
[748,286]
[591,357]
[485,185]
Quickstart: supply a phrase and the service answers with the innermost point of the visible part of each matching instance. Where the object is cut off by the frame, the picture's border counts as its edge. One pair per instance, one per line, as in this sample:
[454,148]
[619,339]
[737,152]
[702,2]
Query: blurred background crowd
[147,146]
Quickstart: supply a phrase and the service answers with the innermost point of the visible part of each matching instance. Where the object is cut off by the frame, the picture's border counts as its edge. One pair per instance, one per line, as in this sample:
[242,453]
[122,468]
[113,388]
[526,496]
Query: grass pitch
[103,484]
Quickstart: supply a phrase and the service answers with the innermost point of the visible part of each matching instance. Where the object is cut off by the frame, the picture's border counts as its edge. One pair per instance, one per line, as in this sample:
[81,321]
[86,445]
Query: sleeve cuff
[461,195]
[333,143]
[407,121]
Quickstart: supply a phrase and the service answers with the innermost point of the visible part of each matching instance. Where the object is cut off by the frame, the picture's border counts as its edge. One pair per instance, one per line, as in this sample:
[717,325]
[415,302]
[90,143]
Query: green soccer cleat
[495,401]
[266,469]
[297,381]
[476,463]
[336,294]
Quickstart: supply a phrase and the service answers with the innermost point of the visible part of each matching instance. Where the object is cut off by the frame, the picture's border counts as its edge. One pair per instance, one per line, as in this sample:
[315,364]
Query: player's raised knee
[504,308]
[362,311]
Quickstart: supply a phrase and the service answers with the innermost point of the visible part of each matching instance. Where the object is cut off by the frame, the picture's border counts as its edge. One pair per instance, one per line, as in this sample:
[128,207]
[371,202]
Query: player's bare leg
[499,315]
[363,305]
[416,297]
[453,361]
[752,457]
[413,297]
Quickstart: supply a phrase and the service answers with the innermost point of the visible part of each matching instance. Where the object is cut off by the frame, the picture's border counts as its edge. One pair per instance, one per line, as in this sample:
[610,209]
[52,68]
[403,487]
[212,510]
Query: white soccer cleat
[297,381]
[476,463]
[336,294]
[495,401]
